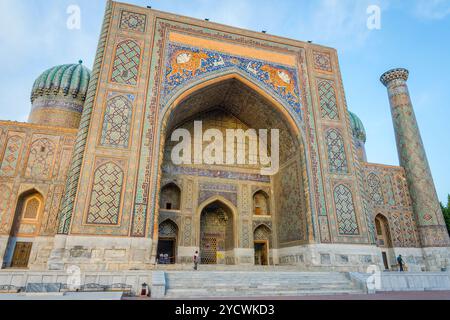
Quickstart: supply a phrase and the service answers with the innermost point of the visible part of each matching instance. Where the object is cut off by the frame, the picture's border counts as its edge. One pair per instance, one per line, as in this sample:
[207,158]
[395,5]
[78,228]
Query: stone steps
[201,284]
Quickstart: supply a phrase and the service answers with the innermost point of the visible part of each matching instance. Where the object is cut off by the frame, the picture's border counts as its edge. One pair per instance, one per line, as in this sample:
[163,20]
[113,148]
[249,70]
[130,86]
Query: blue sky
[414,34]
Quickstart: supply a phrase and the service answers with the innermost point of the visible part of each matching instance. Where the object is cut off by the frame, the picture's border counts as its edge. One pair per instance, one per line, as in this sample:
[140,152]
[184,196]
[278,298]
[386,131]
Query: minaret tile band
[413,159]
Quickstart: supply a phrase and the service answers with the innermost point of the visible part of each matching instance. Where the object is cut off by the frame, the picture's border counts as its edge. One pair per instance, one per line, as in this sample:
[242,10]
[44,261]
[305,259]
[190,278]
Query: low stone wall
[401,281]
[18,278]
[425,281]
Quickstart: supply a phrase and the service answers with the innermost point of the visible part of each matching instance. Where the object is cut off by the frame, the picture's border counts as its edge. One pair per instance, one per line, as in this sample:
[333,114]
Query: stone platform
[216,282]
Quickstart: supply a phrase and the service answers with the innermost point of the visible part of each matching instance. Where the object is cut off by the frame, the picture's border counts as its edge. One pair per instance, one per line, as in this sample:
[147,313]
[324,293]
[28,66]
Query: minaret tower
[429,217]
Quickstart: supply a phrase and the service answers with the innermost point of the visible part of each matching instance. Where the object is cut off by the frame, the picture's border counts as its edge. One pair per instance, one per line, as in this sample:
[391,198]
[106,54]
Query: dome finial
[80,61]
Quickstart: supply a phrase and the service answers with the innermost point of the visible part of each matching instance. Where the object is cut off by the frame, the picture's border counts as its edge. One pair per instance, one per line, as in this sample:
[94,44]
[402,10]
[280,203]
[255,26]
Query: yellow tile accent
[233,49]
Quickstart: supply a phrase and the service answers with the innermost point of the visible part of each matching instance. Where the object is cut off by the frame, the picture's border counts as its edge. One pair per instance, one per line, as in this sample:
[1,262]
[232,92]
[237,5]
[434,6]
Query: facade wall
[153,69]
[388,195]
[33,158]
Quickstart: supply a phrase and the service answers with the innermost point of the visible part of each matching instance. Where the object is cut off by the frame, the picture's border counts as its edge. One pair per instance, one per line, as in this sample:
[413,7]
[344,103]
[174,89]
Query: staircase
[241,284]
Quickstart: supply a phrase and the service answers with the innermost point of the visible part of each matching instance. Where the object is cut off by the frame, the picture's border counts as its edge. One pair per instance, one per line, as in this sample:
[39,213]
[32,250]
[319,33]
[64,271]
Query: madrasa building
[89,179]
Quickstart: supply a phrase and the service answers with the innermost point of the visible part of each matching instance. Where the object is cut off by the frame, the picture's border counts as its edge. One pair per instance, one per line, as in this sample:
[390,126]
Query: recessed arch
[167,241]
[31,197]
[262,224]
[217,238]
[168,108]
[262,239]
[261,203]
[26,223]
[384,240]
[170,198]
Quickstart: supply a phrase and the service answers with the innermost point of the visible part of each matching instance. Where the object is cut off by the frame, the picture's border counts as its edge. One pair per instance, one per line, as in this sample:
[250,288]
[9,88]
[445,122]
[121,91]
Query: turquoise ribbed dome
[357,127]
[63,80]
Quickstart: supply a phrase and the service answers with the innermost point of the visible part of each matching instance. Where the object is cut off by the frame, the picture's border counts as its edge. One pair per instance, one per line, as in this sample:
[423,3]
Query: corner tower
[430,221]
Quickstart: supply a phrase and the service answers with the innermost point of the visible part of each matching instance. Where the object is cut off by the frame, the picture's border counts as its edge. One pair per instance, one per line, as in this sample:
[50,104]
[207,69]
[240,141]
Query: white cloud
[432,9]
[338,23]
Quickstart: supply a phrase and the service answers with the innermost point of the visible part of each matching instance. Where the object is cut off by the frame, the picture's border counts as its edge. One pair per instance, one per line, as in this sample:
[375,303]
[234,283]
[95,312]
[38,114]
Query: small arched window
[32,208]
[261,204]
[170,197]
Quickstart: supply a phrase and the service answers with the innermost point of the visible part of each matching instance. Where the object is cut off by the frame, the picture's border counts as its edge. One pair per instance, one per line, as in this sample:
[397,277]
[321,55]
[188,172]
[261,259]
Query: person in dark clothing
[401,263]
[196,260]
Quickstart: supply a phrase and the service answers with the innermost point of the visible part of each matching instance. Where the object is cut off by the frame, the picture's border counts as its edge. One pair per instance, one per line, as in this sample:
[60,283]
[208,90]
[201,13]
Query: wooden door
[21,255]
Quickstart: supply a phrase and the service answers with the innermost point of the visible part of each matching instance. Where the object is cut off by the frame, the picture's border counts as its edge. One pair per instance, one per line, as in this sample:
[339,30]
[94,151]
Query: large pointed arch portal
[233,101]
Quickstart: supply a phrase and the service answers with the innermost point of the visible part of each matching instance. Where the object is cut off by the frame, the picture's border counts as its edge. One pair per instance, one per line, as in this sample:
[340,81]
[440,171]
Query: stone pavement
[423,295]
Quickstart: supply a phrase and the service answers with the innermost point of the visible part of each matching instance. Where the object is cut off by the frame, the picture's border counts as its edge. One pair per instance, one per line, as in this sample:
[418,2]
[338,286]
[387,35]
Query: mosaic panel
[168,229]
[292,224]
[11,156]
[409,231]
[5,195]
[322,61]
[396,229]
[389,191]
[64,163]
[190,171]
[187,231]
[185,64]
[263,233]
[133,21]
[336,152]
[402,191]
[126,63]
[104,207]
[52,217]
[40,161]
[325,236]
[345,211]
[117,121]
[245,238]
[328,102]
[374,189]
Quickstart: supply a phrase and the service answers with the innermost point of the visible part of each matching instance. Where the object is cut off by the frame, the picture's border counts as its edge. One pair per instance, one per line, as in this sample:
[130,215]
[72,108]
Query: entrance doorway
[262,237]
[216,234]
[166,251]
[384,241]
[385,260]
[261,253]
[21,255]
[167,242]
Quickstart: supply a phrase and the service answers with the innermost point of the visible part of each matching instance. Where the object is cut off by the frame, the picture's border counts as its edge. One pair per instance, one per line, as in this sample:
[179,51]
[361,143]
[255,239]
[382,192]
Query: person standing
[196,257]
[401,263]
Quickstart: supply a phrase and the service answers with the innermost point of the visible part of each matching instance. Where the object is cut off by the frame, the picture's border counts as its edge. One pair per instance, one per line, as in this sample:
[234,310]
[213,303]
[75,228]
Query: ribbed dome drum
[58,95]
[357,127]
[359,136]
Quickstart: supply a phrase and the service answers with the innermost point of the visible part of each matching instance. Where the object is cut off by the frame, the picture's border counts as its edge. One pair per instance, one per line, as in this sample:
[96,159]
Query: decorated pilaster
[430,220]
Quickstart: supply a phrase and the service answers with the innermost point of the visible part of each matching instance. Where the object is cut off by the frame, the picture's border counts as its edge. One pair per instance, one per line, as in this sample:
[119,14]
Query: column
[429,217]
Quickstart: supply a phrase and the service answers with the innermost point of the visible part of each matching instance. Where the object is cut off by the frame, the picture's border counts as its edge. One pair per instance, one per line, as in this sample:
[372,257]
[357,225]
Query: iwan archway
[232,101]
[216,238]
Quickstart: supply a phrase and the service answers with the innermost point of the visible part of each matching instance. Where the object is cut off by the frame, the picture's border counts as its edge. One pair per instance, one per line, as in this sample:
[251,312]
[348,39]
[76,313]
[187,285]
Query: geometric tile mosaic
[117,121]
[336,152]
[11,156]
[345,211]
[374,189]
[41,158]
[106,194]
[327,98]
[322,61]
[126,63]
[132,21]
